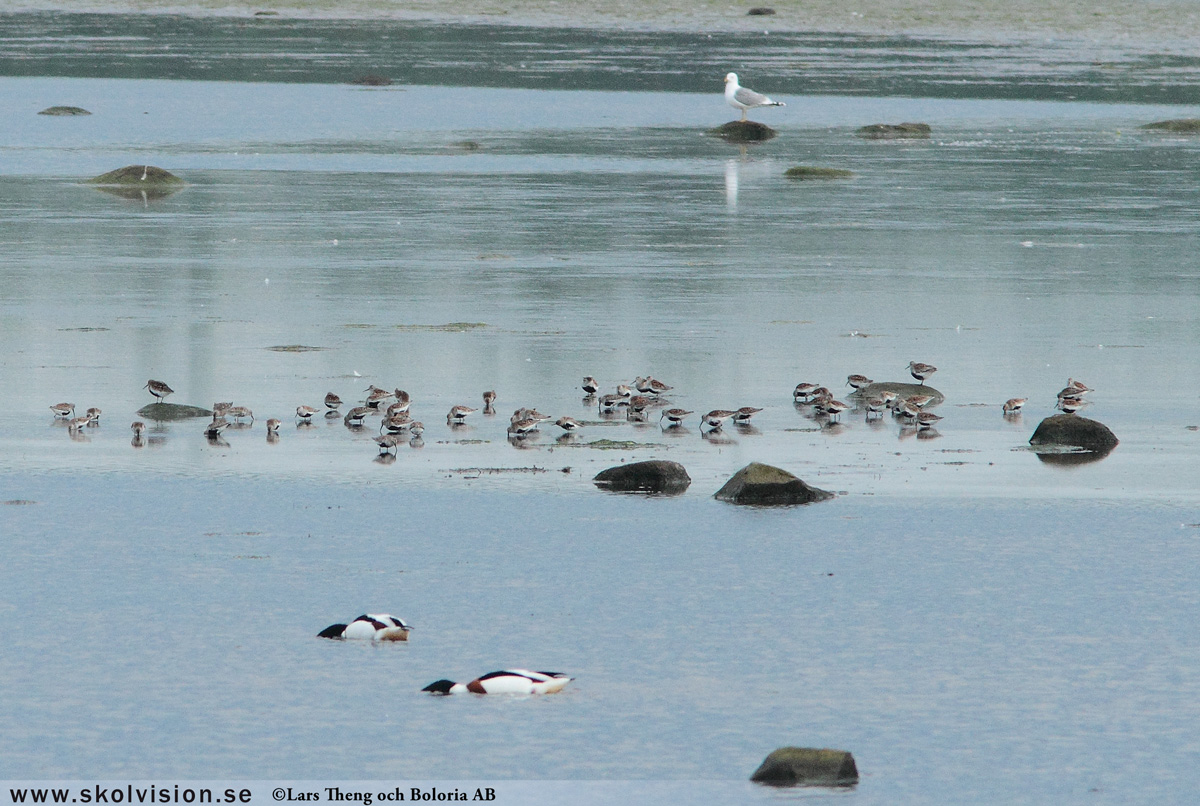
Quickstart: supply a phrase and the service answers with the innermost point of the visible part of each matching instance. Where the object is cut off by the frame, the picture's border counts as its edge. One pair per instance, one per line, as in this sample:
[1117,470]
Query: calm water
[975,624]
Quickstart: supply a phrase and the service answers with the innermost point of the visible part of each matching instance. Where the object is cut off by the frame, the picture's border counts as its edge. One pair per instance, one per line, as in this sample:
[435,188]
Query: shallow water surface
[974,622]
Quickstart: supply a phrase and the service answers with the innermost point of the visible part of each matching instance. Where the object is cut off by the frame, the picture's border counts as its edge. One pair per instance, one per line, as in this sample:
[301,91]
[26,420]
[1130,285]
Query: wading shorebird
[158,389]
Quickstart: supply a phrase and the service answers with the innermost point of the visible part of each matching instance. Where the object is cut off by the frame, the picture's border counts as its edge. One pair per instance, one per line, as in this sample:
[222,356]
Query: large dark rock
[807,766]
[172,411]
[744,131]
[764,485]
[654,476]
[138,176]
[902,391]
[1074,431]
[896,131]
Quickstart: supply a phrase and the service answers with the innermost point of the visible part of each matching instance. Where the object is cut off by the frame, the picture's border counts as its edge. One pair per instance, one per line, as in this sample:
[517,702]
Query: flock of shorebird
[636,400]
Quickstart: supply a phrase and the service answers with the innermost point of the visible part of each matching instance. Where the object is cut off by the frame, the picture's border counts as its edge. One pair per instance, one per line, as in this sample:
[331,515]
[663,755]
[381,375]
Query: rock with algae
[807,766]
[64,111]
[172,411]
[654,476]
[901,390]
[764,485]
[896,131]
[138,176]
[1176,126]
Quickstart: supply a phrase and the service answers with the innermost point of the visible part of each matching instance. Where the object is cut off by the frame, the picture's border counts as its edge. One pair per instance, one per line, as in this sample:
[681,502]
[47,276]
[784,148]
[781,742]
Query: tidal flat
[975,623]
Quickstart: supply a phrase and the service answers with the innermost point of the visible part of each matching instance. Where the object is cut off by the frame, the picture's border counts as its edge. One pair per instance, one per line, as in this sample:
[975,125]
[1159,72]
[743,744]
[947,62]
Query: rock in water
[895,131]
[654,476]
[172,411]
[817,172]
[764,485]
[1071,430]
[901,389]
[64,111]
[743,131]
[807,766]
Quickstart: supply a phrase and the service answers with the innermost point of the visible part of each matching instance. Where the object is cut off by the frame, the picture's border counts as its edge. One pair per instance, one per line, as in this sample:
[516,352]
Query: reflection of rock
[654,476]
[172,411]
[372,80]
[138,182]
[1177,126]
[807,766]
[895,131]
[64,111]
[1070,457]
[902,390]
[1074,431]
[764,485]
[743,131]
[815,172]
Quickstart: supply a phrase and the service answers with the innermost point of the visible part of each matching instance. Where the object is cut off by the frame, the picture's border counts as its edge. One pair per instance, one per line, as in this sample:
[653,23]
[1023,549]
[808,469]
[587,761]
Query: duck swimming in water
[509,681]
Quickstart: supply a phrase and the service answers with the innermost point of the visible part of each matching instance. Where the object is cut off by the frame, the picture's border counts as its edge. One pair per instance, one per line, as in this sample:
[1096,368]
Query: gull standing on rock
[742,98]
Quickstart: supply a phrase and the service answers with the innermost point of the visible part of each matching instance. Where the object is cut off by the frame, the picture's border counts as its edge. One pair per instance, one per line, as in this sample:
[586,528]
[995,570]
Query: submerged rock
[138,176]
[807,766]
[764,485]
[654,476]
[372,80]
[895,131]
[1074,431]
[814,172]
[902,390]
[743,131]
[172,411]
[1177,126]
[64,111]
[761,11]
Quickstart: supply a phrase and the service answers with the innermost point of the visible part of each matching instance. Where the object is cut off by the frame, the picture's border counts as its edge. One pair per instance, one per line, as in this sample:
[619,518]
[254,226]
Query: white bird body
[508,681]
[742,98]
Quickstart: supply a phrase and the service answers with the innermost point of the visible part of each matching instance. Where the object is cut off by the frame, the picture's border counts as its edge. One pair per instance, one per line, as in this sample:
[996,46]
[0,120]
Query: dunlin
[742,416]
[716,418]
[590,385]
[568,423]
[387,442]
[927,419]
[609,402]
[219,409]
[489,397]
[674,416]
[639,403]
[624,391]
[921,371]
[416,428]
[1080,385]
[376,397]
[657,387]
[834,408]
[459,413]
[1070,405]
[399,407]
[1014,405]
[215,428]
[273,425]
[803,391]
[396,424]
[138,427]
[521,428]
[93,415]
[63,410]
[858,381]
[356,415]
[305,413]
[875,406]
[76,423]
[332,401]
[158,389]
[239,413]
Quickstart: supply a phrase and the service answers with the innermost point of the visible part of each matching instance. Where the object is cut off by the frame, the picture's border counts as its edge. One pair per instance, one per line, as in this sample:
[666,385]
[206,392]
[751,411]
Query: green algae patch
[895,131]
[617,445]
[815,172]
[449,327]
[296,348]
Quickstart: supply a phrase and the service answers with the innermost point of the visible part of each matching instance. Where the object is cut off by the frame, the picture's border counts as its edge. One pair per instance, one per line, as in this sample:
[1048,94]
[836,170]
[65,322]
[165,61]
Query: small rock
[1074,431]
[895,131]
[1177,126]
[764,485]
[807,766]
[654,476]
[64,111]
[743,131]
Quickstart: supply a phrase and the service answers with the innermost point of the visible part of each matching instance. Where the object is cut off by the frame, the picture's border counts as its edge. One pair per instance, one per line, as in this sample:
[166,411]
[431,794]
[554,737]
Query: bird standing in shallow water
[742,98]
